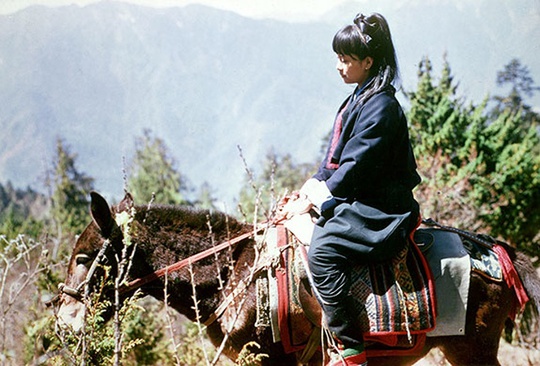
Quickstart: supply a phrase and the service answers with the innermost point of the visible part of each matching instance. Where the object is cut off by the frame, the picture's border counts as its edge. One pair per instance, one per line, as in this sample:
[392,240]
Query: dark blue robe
[371,175]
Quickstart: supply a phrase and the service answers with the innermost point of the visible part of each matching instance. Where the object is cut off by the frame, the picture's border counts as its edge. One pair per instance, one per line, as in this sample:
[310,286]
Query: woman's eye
[82,258]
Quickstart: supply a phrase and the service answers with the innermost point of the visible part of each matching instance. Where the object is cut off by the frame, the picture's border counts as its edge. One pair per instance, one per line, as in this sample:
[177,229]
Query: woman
[363,188]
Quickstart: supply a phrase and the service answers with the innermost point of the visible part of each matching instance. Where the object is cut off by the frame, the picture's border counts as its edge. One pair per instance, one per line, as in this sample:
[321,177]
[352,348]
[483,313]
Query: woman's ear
[368,62]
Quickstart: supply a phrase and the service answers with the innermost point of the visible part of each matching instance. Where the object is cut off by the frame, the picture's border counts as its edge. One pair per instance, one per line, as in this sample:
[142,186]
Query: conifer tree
[152,174]
[280,175]
[205,198]
[70,192]
[478,169]
[21,211]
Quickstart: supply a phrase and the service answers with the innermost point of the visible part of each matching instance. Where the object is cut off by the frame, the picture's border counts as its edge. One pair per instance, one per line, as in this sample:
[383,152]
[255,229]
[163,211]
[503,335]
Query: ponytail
[370,36]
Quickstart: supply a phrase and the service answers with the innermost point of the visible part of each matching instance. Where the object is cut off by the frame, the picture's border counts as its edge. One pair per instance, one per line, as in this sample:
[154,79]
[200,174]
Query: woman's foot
[350,357]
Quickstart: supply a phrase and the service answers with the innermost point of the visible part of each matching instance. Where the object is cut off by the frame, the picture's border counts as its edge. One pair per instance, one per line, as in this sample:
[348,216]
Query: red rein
[139,282]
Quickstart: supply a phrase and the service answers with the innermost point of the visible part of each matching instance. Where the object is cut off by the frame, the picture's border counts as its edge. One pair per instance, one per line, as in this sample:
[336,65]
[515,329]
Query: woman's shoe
[350,357]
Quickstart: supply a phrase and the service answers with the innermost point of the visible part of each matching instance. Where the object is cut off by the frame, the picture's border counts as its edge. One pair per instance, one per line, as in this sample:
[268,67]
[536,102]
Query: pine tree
[21,212]
[477,167]
[280,175]
[205,199]
[70,193]
[153,176]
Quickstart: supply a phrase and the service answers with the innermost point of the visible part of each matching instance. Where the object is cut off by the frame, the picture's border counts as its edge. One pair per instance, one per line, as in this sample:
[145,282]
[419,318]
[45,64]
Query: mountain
[204,80]
[207,81]
[478,37]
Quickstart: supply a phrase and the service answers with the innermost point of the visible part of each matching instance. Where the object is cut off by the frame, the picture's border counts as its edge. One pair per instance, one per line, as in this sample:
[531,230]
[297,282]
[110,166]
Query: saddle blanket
[408,306]
[395,301]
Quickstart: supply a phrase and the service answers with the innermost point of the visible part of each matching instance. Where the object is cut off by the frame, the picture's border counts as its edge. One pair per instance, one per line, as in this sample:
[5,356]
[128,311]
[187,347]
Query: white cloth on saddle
[301,226]
[451,268]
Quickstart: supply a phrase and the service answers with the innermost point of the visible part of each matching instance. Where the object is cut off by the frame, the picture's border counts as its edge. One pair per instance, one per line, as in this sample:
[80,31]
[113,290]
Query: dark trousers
[355,234]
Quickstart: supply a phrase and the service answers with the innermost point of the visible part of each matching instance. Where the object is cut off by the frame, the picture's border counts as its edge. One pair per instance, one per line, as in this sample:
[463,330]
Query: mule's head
[95,248]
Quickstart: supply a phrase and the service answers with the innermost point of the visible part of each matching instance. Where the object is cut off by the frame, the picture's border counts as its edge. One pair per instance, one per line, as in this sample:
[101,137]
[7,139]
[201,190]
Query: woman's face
[353,70]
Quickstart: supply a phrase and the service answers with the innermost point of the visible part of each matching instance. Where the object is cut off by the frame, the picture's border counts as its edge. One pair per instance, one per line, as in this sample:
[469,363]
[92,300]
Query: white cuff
[316,191]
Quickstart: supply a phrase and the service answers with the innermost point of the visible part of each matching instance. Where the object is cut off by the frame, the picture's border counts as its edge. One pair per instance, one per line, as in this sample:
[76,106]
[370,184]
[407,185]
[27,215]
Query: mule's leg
[488,307]
[469,351]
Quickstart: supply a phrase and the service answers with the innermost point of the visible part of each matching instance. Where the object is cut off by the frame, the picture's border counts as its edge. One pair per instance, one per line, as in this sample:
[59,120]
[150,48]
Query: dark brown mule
[165,235]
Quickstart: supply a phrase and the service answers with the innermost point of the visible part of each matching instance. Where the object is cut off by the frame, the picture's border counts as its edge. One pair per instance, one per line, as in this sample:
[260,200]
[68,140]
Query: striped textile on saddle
[395,301]
[397,297]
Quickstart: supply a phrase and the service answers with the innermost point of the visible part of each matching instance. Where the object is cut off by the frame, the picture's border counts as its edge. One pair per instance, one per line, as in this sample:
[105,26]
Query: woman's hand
[295,204]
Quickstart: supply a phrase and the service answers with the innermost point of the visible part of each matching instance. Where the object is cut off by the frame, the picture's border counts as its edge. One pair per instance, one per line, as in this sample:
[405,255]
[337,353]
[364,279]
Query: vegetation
[480,168]
[481,171]
[153,176]
[280,175]
[69,198]
[21,211]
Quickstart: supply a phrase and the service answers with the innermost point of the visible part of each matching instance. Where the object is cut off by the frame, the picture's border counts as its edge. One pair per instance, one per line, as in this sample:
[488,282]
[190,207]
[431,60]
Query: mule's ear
[126,204]
[101,213]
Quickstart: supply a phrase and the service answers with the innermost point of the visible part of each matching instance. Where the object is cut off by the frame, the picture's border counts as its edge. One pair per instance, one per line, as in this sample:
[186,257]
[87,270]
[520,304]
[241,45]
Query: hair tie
[369,30]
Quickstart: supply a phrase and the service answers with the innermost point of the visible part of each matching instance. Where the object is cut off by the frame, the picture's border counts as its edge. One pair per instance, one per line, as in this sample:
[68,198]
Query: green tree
[153,175]
[205,198]
[522,86]
[70,191]
[21,211]
[437,124]
[477,167]
[280,175]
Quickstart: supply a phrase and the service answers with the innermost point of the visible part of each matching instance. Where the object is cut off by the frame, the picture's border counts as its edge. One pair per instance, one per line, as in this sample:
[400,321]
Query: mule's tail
[531,281]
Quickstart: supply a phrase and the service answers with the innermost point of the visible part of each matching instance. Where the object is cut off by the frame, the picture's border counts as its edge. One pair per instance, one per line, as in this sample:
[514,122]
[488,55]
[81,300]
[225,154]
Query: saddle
[395,302]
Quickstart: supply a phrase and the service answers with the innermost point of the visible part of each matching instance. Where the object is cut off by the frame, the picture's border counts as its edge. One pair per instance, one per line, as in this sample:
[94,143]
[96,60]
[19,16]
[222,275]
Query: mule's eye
[82,258]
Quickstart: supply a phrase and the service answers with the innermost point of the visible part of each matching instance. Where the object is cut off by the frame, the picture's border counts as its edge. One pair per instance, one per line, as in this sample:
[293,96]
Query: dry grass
[509,355]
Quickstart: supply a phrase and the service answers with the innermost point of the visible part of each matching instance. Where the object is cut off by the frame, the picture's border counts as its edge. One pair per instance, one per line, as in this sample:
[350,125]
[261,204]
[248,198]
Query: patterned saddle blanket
[395,302]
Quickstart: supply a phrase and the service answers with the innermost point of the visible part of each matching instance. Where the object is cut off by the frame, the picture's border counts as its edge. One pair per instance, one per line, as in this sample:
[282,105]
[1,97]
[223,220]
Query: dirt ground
[509,355]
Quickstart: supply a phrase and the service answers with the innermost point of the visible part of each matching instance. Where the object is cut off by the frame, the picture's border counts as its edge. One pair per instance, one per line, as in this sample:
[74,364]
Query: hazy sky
[279,9]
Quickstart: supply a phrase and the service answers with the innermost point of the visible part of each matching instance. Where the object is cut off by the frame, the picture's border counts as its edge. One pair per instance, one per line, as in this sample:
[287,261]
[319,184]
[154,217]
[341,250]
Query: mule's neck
[166,235]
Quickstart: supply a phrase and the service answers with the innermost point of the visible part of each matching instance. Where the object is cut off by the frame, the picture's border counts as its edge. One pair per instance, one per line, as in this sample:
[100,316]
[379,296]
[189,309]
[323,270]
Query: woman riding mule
[374,192]
[363,187]
[166,235]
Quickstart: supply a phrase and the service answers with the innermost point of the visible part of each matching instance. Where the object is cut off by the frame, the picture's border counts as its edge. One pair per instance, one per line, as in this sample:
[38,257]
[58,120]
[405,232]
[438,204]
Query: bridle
[82,290]
[77,293]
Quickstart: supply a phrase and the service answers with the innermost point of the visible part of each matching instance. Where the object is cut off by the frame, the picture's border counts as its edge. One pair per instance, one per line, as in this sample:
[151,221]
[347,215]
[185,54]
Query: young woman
[363,187]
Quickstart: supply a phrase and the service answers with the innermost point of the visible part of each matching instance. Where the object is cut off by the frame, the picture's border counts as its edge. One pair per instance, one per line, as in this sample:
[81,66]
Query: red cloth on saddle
[511,277]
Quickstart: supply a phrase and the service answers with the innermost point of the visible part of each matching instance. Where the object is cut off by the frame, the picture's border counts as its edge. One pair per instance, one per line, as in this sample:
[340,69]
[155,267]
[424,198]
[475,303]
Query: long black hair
[370,36]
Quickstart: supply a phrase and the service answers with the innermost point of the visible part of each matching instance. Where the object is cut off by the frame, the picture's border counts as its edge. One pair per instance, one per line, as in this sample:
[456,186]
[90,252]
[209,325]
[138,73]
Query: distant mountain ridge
[204,80]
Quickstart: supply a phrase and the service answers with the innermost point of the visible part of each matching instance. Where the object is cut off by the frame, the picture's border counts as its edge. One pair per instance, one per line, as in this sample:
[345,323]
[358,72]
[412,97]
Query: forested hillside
[206,80]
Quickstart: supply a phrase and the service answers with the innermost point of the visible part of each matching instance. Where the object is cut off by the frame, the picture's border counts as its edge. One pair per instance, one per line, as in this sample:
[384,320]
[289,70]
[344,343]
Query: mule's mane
[177,218]
[168,234]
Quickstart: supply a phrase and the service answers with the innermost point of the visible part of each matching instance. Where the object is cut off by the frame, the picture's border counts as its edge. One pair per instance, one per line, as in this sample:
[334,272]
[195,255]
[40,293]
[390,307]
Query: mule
[161,235]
